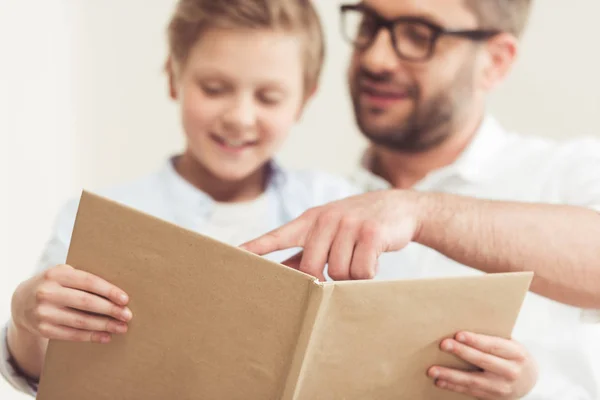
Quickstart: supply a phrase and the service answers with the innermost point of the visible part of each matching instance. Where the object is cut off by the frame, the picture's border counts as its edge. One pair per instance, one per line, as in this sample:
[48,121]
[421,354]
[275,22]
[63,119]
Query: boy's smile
[233,146]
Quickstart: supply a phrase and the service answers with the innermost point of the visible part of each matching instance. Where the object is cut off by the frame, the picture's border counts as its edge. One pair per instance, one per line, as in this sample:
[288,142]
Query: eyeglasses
[414,39]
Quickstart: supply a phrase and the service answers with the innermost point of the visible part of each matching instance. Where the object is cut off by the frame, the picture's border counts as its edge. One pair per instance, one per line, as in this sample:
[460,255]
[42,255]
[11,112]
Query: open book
[213,322]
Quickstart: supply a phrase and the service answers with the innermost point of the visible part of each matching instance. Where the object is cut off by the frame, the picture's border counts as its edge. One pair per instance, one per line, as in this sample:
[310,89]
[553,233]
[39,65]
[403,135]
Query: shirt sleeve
[54,253]
[578,175]
[557,378]
[10,371]
[56,249]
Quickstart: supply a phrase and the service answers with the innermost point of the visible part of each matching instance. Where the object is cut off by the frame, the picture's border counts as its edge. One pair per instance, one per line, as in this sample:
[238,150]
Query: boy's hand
[68,304]
[508,371]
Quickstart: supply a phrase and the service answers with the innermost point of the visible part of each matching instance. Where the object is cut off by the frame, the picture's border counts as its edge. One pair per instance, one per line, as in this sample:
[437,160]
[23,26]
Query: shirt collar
[277,176]
[475,164]
[190,197]
[182,192]
[478,160]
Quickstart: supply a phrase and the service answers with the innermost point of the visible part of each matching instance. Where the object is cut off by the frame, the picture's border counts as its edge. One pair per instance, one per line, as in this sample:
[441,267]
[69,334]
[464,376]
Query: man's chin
[384,117]
[393,136]
[379,129]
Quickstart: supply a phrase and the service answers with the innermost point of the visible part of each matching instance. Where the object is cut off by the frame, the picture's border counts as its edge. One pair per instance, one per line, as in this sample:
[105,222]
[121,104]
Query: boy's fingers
[479,394]
[57,332]
[83,301]
[81,280]
[82,321]
[486,362]
[472,381]
[499,347]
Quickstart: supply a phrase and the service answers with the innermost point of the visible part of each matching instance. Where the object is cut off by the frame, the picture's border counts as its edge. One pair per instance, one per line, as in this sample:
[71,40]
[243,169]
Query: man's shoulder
[537,151]
[582,146]
[548,145]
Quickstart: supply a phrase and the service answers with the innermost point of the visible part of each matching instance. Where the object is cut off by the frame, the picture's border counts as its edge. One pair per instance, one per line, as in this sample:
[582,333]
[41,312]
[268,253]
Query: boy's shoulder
[316,187]
[146,193]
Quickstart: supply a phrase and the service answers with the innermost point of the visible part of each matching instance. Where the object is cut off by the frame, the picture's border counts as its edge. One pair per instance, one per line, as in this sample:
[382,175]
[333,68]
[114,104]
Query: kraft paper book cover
[214,322]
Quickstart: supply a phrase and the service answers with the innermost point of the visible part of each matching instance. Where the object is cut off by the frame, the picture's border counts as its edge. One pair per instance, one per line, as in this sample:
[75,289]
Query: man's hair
[506,15]
[298,17]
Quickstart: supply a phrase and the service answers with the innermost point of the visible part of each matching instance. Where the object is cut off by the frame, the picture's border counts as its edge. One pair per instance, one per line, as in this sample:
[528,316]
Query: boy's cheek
[277,125]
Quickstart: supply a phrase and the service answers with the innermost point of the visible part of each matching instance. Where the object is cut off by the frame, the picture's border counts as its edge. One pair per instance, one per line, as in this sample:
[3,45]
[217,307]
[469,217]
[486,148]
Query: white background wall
[83,104]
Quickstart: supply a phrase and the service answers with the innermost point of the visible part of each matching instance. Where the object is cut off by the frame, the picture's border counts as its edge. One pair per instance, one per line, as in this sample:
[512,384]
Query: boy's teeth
[234,144]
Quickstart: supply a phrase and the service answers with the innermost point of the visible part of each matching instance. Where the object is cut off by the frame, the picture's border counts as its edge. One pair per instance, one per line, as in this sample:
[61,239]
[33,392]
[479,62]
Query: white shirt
[166,195]
[236,223]
[500,165]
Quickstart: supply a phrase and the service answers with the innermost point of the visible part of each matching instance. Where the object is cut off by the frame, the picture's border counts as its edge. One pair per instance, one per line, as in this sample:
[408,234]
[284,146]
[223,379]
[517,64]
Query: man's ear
[170,71]
[501,56]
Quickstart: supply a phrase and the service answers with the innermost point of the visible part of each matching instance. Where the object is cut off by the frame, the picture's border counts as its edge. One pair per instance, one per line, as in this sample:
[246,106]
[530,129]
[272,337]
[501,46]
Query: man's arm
[560,244]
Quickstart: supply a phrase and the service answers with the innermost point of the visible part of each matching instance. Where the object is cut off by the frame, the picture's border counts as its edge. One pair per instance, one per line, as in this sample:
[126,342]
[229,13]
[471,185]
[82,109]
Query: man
[468,197]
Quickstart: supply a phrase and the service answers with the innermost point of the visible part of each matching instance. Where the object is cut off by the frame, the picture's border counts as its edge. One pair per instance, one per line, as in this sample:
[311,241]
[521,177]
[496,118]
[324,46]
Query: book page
[376,340]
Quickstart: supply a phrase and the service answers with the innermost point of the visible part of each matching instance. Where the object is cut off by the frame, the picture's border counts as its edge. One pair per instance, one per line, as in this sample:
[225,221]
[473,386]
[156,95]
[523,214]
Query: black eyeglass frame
[437,31]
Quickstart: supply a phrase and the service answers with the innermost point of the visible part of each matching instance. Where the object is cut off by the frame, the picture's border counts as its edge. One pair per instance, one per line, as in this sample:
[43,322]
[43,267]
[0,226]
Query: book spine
[318,301]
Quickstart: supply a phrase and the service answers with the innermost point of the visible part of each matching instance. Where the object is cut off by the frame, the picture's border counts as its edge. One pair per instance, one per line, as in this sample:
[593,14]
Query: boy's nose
[242,115]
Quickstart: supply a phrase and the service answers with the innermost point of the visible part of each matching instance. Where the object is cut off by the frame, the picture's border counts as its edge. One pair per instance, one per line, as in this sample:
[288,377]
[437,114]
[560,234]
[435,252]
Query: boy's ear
[308,97]
[169,69]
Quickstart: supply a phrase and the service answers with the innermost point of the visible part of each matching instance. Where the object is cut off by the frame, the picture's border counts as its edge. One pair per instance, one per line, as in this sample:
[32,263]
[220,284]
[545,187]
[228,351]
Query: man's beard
[431,122]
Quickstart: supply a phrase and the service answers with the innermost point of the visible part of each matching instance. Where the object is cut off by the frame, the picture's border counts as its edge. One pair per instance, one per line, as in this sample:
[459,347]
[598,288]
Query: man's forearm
[27,350]
[560,244]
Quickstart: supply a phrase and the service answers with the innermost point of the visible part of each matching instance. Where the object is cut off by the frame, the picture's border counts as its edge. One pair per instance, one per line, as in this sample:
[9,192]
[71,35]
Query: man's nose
[380,57]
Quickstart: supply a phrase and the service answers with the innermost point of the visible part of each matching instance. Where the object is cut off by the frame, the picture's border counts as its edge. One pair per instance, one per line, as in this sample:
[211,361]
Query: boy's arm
[21,367]
[11,371]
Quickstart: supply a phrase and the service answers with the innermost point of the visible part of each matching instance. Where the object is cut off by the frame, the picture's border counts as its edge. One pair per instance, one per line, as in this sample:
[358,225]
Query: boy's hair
[506,15]
[193,17]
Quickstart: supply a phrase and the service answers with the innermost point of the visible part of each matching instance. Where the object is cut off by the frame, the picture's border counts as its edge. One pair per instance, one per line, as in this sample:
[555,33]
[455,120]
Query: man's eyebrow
[422,17]
[428,18]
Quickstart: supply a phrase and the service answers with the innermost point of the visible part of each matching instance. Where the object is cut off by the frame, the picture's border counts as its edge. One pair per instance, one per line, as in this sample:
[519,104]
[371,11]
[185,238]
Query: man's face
[413,106]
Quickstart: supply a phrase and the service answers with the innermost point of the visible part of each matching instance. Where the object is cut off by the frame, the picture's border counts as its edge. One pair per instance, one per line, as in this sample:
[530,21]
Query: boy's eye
[270,97]
[213,89]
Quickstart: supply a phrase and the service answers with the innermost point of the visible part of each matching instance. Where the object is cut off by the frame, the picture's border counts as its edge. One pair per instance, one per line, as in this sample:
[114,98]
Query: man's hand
[349,235]
[508,372]
[559,243]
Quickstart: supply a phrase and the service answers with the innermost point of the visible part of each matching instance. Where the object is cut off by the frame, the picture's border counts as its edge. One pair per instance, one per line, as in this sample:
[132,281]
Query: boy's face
[240,91]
